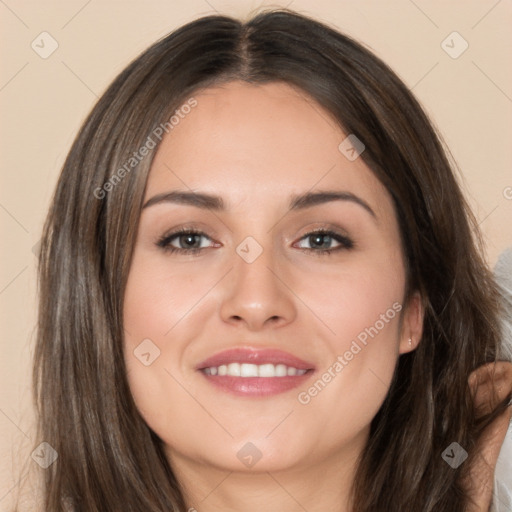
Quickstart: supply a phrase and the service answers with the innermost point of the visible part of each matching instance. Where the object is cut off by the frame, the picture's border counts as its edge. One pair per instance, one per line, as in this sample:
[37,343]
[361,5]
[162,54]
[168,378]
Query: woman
[253,372]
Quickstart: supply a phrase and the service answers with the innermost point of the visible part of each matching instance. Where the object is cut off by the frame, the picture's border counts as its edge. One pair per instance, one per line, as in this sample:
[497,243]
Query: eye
[321,238]
[188,238]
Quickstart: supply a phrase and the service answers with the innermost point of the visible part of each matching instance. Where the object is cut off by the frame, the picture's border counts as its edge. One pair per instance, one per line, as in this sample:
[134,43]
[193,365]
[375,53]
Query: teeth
[254,370]
[266,370]
[281,370]
[234,369]
[248,370]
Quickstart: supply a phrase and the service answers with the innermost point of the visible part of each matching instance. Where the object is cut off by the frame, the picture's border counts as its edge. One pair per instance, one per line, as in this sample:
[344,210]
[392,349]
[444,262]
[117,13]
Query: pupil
[189,238]
[318,239]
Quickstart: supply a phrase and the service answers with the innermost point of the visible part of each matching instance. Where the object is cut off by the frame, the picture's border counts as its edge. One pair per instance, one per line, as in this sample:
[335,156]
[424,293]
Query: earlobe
[410,345]
[412,327]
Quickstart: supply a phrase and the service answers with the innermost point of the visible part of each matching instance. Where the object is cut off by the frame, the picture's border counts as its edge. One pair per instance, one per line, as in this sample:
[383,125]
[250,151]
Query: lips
[255,372]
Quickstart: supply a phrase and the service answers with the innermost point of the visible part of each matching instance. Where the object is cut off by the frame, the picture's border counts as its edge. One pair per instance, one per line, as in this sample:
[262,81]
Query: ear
[412,324]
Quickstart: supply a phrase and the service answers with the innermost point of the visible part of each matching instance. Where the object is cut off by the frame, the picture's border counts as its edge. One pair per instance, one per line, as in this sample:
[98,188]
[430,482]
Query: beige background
[44,101]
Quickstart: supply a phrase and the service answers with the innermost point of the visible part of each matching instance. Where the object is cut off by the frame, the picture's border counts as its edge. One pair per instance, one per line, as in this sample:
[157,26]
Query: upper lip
[254,356]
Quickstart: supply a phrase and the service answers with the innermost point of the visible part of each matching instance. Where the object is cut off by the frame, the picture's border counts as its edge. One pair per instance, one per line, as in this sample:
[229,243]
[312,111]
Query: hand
[490,384]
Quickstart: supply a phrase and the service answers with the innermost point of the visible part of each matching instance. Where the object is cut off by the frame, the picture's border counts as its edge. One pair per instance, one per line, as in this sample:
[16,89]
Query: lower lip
[257,386]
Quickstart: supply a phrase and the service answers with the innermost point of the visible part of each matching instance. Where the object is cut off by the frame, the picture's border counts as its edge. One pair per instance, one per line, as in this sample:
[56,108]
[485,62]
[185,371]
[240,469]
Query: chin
[251,455]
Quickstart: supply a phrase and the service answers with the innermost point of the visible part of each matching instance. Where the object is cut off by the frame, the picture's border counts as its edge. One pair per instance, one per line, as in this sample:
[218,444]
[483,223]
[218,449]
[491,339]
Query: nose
[256,294]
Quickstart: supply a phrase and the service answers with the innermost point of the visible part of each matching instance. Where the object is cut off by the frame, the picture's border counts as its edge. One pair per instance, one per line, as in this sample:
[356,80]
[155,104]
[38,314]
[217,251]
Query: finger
[490,384]
[480,484]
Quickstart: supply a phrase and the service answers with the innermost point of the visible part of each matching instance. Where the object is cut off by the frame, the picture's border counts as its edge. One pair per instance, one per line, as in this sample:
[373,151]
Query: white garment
[502,499]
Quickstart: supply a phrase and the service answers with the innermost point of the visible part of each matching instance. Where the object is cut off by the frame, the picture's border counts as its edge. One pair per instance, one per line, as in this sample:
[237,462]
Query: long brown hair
[108,457]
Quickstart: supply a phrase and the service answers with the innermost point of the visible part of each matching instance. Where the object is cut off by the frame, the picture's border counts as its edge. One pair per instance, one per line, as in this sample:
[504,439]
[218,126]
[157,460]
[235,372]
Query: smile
[251,372]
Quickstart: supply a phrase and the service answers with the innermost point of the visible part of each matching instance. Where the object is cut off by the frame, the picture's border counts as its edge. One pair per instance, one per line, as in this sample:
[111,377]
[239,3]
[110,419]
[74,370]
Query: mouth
[255,372]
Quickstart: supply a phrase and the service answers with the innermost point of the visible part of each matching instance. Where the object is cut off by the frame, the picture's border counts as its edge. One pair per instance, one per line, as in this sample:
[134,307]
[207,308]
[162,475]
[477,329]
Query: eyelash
[164,242]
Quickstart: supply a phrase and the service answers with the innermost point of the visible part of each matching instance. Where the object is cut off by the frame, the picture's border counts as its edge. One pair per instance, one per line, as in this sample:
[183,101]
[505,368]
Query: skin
[255,146]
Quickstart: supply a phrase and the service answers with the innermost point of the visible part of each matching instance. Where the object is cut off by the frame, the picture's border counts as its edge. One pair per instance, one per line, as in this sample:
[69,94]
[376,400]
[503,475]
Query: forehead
[254,144]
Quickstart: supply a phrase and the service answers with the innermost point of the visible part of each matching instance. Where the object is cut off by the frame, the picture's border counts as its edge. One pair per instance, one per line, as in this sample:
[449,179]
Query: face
[266,333]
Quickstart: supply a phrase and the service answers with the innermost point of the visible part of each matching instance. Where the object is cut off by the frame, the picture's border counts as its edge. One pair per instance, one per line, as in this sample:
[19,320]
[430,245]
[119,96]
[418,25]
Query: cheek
[361,311]
[356,302]
[147,303]
[161,305]
[158,296]
[350,389]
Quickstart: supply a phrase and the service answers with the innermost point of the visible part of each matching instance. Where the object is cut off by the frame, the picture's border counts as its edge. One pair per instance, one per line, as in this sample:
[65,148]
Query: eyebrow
[297,202]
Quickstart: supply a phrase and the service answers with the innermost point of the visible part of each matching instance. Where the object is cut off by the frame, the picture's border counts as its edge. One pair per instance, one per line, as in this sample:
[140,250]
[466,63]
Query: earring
[410,342]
